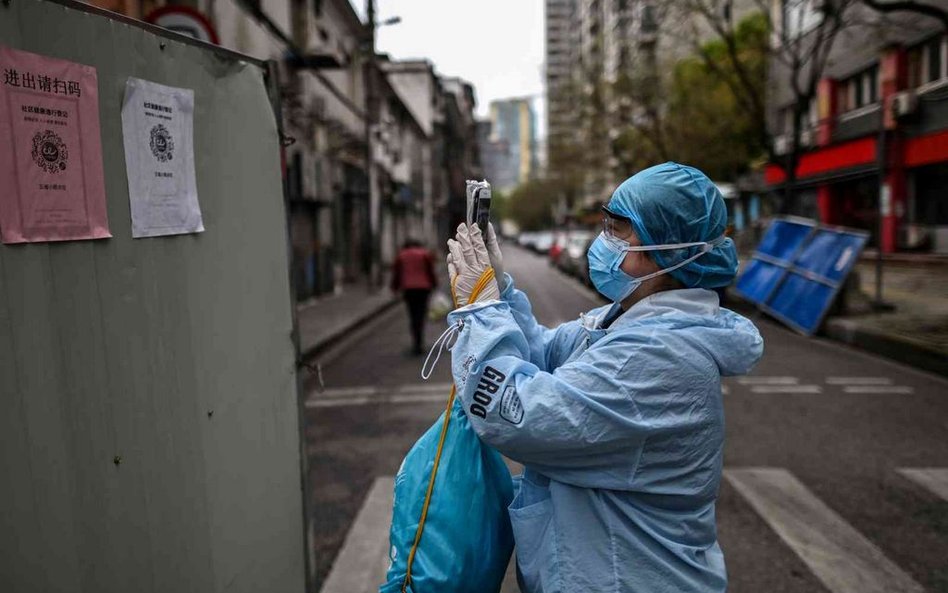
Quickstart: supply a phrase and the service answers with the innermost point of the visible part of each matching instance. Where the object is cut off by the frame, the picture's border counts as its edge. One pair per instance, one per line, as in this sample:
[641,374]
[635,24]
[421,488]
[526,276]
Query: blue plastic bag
[466,540]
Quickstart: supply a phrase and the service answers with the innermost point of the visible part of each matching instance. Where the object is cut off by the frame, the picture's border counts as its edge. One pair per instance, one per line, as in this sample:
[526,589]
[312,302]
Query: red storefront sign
[925,150]
[826,160]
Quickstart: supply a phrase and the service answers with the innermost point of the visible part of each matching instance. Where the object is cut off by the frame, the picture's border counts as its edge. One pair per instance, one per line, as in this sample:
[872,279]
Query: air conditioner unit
[807,138]
[904,103]
[781,144]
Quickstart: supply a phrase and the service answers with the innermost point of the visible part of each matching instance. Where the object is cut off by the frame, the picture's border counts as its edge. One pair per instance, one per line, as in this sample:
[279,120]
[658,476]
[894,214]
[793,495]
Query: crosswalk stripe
[768,380]
[840,557]
[363,560]
[786,389]
[935,480]
[858,381]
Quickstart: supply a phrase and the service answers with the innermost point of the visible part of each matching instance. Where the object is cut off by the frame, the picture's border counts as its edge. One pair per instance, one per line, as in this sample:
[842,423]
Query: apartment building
[875,142]
[342,230]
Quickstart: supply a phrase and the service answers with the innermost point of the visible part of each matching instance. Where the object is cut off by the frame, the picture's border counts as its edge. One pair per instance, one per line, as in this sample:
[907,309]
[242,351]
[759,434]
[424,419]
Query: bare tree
[803,33]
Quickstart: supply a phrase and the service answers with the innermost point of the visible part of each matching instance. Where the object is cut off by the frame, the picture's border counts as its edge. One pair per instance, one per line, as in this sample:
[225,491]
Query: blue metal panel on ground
[831,254]
[800,302]
[798,269]
[758,280]
[784,238]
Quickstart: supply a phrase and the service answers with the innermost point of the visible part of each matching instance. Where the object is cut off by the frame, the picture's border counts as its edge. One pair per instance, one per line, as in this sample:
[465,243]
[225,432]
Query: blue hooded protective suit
[618,420]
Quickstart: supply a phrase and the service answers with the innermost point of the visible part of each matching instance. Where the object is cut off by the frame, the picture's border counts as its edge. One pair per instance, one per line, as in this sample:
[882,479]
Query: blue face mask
[607,253]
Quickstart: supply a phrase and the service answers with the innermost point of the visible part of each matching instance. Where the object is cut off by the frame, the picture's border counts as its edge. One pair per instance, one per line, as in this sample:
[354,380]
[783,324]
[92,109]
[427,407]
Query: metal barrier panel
[798,269]
[150,436]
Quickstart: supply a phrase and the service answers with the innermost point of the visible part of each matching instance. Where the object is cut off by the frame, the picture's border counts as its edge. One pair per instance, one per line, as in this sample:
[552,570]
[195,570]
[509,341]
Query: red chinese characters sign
[50,150]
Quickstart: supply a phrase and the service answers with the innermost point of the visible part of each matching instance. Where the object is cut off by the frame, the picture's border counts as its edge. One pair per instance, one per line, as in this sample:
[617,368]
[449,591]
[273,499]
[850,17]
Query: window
[871,80]
[842,97]
[859,96]
[933,57]
[926,62]
[859,90]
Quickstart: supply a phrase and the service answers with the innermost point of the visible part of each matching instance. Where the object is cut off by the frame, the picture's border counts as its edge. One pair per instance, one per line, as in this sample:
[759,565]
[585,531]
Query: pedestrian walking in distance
[413,274]
[617,417]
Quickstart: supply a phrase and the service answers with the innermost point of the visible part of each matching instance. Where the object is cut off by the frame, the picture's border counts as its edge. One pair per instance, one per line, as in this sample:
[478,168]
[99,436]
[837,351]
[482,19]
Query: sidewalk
[916,332]
[325,320]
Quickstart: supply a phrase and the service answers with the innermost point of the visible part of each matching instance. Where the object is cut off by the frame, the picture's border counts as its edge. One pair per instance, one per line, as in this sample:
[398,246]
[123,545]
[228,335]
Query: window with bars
[927,62]
[858,90]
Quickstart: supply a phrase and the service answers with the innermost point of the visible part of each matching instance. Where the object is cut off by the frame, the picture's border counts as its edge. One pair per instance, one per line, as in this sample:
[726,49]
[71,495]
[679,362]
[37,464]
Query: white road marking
[840,557]
[335,403]
[890,389]
[420,398]
[360,396]
[858,381]
[346,391]
[362,562]
[768,380]
[786,389]
[363,396]
[935,480]
[425,388]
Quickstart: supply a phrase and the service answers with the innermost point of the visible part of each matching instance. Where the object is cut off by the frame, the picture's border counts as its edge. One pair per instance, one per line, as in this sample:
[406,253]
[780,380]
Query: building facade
[347,220]
[607,62]
[513,123]
[559,19]
[875,141]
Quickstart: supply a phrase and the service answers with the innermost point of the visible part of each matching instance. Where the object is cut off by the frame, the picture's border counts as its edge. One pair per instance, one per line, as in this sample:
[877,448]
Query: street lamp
[371,115]
[394,20]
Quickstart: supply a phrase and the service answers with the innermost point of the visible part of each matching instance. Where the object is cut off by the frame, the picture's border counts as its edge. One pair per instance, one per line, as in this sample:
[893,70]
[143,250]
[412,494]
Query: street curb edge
[343,330]
[894,347]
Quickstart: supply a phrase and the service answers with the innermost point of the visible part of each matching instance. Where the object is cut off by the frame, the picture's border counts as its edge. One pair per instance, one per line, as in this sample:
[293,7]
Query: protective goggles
[615,226]
[617,231]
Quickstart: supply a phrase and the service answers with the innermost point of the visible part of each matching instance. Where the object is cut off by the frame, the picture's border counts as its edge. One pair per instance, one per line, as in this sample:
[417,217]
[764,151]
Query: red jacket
[414,269]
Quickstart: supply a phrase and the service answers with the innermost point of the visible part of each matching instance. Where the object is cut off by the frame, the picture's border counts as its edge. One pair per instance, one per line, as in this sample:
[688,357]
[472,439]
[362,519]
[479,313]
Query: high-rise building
[513,122]
[560,48]
[606,63]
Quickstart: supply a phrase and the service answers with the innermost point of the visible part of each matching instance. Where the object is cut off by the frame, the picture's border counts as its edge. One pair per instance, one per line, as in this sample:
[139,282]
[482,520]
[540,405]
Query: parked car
[542,242]
[573,259]
[526,240]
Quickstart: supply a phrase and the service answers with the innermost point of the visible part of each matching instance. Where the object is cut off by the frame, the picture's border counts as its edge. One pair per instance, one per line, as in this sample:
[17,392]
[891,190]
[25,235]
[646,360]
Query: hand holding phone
[478,204]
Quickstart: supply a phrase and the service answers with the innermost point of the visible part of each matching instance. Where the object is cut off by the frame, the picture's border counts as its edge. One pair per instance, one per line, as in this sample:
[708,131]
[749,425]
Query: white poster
[158,128]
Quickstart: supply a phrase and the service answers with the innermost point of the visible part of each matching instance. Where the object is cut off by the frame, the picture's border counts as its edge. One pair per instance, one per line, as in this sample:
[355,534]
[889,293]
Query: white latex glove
[496,257]
[467,261]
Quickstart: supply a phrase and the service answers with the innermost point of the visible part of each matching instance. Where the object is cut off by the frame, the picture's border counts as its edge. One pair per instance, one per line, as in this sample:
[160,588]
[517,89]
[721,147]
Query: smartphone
[478,204]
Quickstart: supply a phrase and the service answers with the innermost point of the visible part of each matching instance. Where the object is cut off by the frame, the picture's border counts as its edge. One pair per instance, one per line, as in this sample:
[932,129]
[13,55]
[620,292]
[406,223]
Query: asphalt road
[836,462]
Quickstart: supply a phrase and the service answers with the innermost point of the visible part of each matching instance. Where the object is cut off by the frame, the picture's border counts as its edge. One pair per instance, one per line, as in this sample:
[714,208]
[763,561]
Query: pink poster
[51,181]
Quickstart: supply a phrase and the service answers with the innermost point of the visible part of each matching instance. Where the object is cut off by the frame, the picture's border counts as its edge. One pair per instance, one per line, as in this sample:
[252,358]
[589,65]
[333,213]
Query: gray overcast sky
[495,44]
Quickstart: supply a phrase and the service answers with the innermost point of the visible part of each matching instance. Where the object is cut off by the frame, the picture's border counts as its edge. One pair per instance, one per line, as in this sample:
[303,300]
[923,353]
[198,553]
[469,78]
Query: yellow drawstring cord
[482,282]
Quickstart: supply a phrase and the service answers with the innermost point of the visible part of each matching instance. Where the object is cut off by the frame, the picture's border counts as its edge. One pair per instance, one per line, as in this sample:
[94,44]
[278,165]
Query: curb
[342,330]
[904,350]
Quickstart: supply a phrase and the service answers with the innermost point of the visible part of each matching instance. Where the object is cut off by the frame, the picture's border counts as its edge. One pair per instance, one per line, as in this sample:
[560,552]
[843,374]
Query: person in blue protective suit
[617,417]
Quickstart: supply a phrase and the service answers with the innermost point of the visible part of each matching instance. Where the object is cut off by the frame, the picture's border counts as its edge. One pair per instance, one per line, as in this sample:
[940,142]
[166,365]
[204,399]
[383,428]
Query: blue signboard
[798,269]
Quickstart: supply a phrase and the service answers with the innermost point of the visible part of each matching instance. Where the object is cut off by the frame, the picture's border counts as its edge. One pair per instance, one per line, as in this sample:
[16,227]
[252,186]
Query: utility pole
[371,242]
